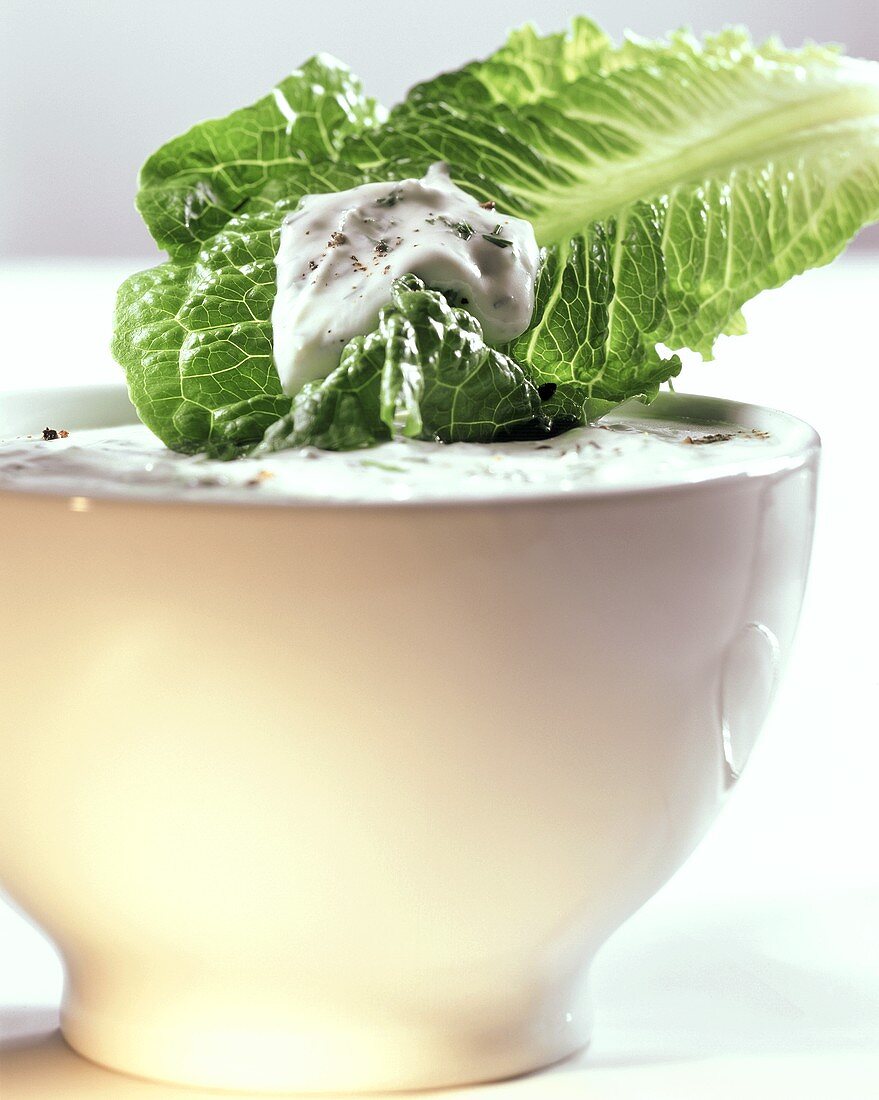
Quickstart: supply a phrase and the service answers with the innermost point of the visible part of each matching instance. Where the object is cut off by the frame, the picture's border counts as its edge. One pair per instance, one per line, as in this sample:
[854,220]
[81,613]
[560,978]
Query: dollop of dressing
[340,252]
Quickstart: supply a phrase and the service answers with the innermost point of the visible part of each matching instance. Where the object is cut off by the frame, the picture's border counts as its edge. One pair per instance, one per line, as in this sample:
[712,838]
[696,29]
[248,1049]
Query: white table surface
[755,971]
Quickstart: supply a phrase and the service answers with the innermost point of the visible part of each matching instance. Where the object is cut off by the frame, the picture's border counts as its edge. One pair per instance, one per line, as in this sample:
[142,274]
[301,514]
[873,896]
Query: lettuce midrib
[756,139]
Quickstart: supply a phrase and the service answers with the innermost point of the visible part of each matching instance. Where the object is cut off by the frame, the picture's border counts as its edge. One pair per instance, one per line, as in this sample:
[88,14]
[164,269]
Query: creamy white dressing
[340,252]
[622,452]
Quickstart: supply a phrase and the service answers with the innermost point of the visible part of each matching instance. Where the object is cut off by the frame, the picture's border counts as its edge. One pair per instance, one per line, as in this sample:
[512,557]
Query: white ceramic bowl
[347,798]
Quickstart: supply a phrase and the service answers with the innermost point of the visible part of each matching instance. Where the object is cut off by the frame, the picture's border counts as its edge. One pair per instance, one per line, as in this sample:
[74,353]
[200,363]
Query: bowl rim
[803,448]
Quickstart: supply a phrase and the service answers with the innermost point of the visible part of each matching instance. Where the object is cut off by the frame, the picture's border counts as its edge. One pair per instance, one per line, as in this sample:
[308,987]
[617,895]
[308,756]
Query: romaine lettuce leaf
[600,305]
[425,372]
[527,68]
[195,339]
[341,412]
[669,181]
[191,187]
[761,162]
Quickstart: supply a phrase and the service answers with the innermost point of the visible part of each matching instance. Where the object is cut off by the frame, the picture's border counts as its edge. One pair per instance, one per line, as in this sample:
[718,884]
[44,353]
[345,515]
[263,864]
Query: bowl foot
[422,1051]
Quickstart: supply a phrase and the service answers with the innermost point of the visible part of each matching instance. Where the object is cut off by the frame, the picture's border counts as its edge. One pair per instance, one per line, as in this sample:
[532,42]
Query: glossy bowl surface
[347,798]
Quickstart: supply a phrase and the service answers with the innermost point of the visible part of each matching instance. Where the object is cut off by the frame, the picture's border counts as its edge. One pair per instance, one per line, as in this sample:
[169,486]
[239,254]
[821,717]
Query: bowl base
[389,1056]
